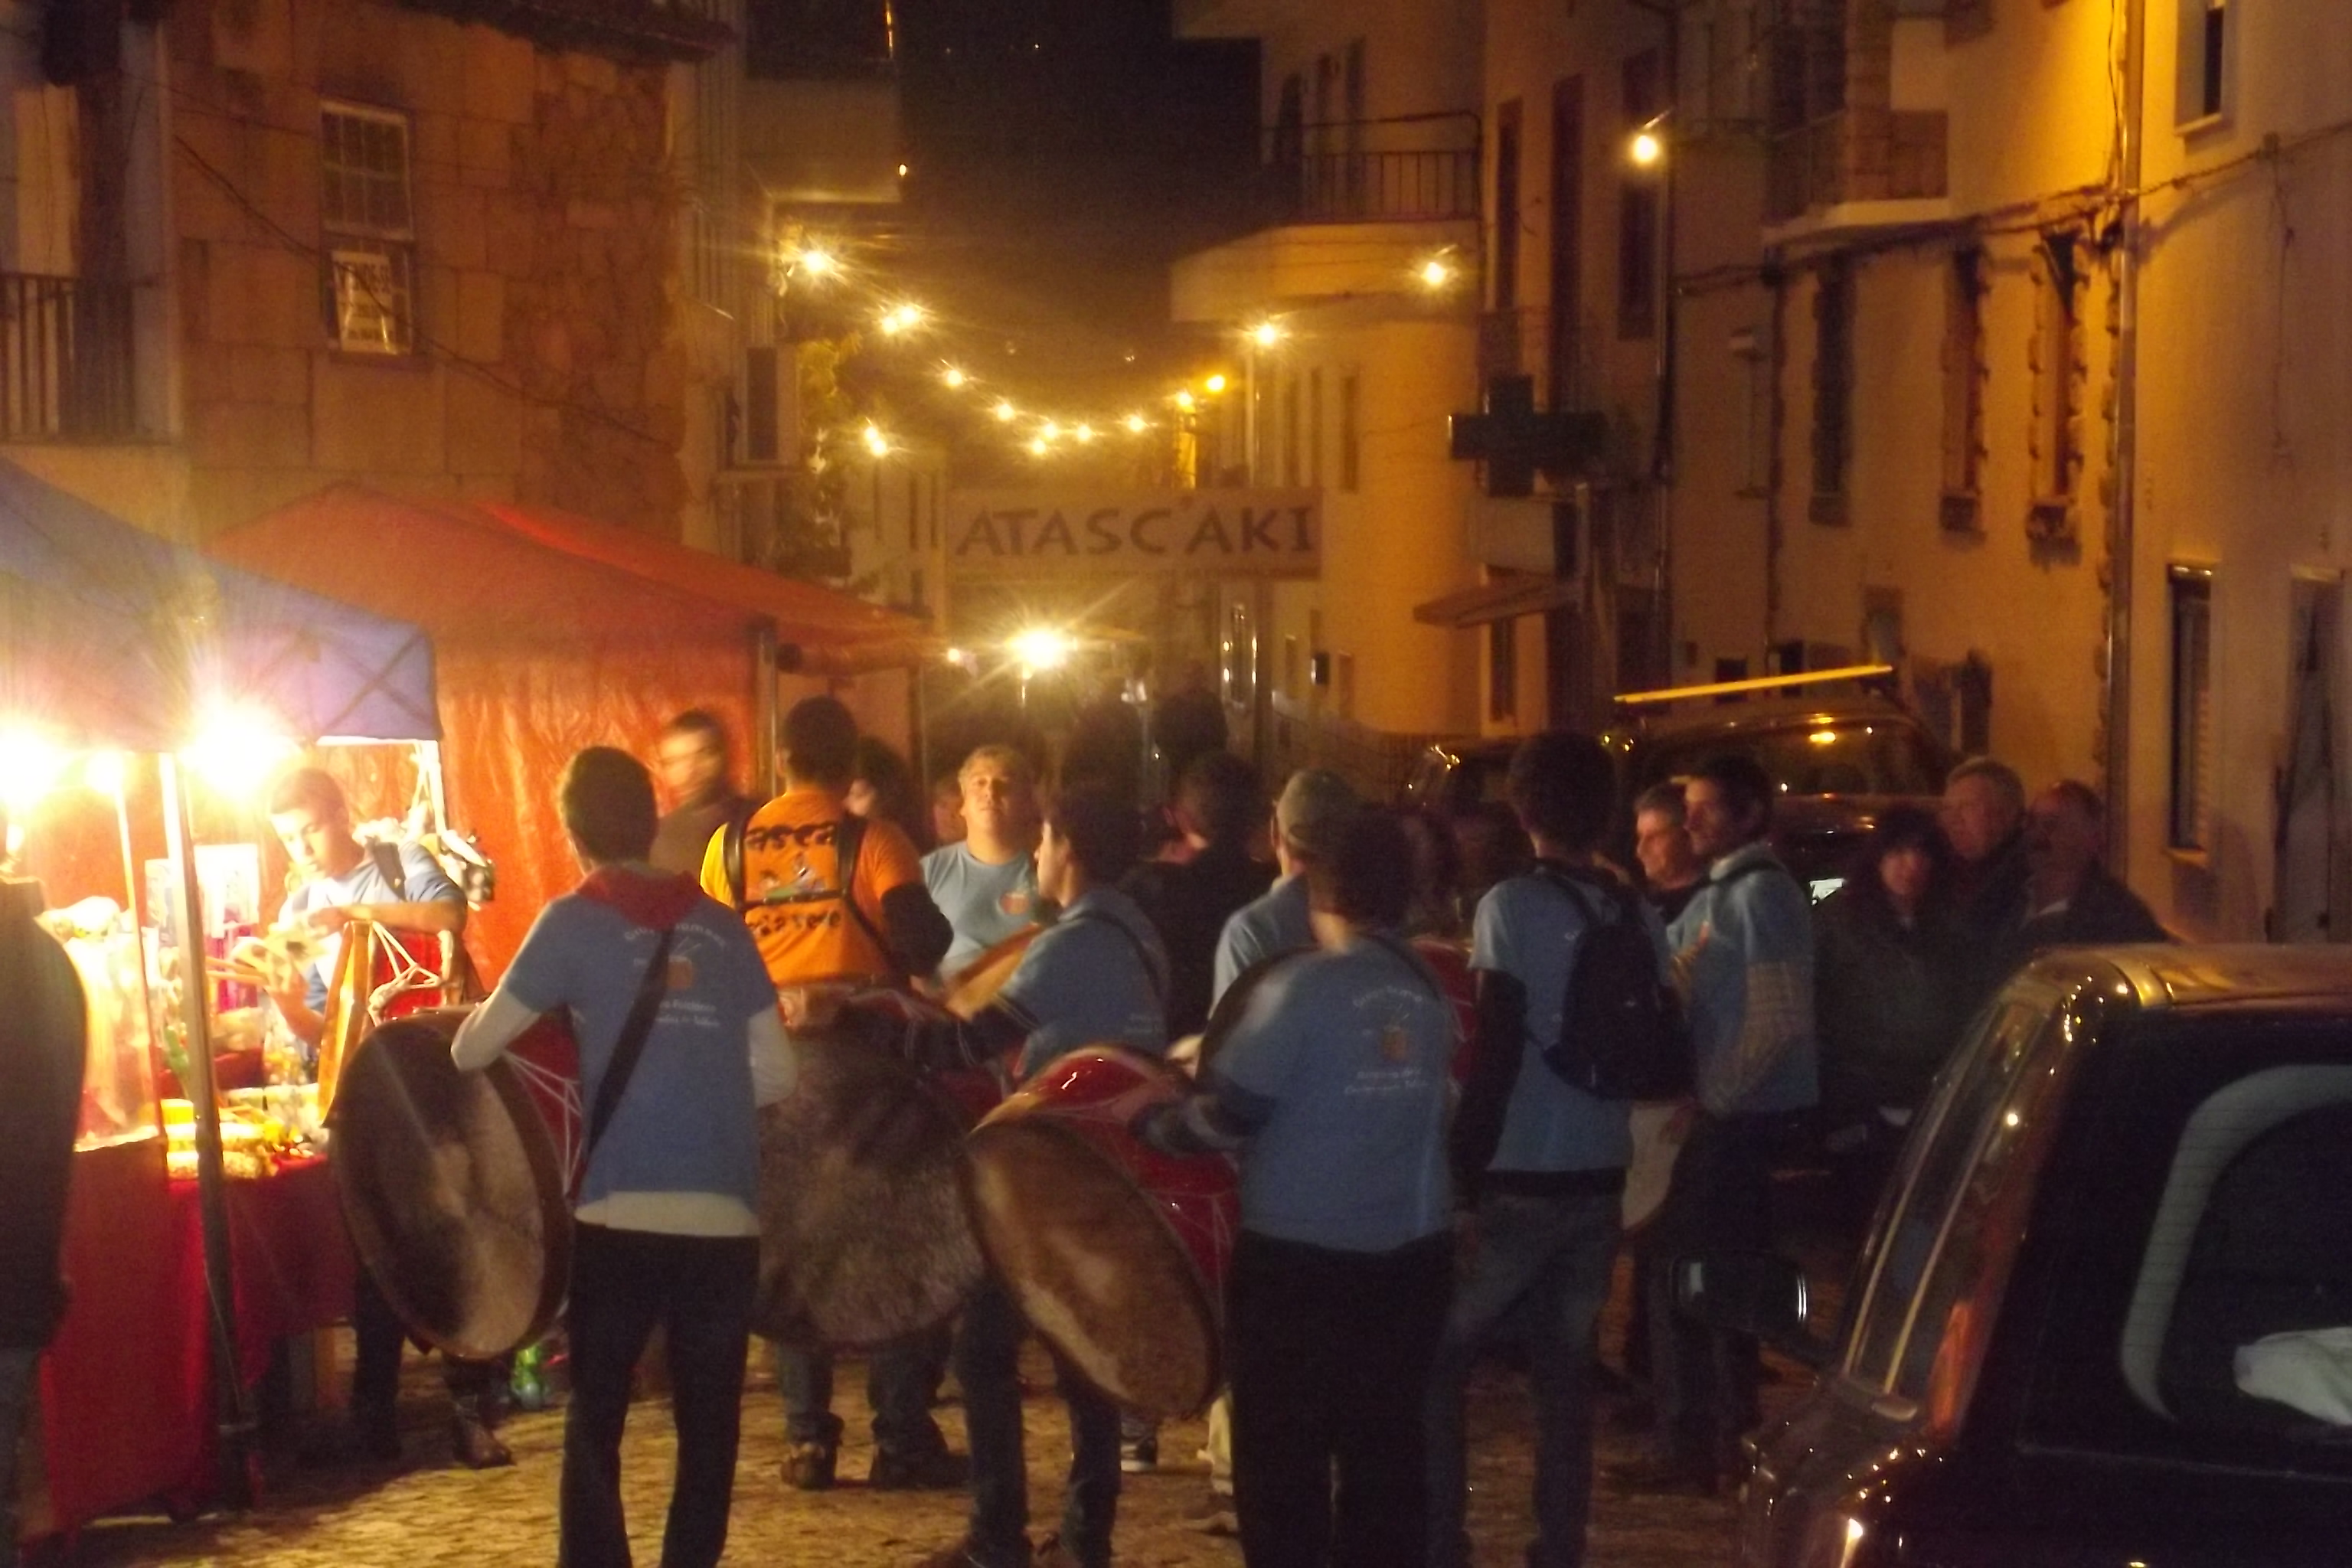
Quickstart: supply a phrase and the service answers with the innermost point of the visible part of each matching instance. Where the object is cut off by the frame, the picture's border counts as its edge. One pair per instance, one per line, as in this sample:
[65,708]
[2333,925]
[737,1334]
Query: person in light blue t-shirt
[667,1231]
[1542,1163]
[1306,822]
[1097,975]
[1334,1089]
[986,884]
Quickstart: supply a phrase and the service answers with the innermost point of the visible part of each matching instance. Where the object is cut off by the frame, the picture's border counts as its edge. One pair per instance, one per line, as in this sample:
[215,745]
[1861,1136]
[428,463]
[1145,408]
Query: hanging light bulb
[1137,423]
[954,375]
[1215,383]
[1085,433]
[1005,412]
[876,442]
[1184,400]
[1039,446]
[1050,430]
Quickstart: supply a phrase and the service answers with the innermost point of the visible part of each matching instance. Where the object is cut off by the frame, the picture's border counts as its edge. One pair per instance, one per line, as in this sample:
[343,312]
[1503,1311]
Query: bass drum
[975,985]
[1115,1252]
[453,1189]
[1447,961]
[863,1233]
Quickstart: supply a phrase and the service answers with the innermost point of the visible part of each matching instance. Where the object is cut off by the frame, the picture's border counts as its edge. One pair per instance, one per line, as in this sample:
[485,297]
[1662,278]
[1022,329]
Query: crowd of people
[1404,1205]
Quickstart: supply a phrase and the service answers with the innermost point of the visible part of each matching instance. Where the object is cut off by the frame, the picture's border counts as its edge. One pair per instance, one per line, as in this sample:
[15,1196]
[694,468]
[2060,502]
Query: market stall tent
[117,639]
[555,632]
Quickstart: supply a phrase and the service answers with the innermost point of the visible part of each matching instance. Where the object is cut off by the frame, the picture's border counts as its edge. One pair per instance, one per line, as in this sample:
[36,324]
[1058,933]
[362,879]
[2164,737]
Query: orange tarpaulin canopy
[553,632]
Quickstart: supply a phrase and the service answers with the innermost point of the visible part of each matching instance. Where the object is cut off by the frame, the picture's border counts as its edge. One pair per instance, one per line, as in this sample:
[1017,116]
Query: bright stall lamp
[1215,384]
[1041,648]
[30,766]
[103,772]
[237,750]
[815,263]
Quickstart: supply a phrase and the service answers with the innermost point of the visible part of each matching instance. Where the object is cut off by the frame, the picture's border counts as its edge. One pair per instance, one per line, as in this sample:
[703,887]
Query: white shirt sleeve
[775,1070]
[489,1030]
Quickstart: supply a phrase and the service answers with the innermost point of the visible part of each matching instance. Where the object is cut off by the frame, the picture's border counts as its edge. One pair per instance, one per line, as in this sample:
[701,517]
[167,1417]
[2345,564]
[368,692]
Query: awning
[1500,601]
[116,637]
[525,574]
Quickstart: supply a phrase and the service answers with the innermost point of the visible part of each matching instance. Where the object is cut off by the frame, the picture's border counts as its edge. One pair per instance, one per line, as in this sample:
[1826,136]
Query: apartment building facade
[1348,360]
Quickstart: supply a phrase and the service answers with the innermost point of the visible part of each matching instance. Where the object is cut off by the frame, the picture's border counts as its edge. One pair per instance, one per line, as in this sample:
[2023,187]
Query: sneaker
[1140,1456]
[476,1445]
[808,1466]
[936,1470]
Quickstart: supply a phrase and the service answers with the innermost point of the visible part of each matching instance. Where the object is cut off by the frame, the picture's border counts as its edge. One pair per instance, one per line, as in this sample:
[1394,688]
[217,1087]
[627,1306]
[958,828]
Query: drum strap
[1151,976]
[635,1030]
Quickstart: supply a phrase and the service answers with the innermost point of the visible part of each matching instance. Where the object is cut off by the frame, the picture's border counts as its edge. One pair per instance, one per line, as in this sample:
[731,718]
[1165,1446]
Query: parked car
[2104,1316]
[1840,760]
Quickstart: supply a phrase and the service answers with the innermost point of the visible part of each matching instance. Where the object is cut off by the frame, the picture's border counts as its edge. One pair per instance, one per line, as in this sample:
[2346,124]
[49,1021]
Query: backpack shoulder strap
[848,846]
[386,858]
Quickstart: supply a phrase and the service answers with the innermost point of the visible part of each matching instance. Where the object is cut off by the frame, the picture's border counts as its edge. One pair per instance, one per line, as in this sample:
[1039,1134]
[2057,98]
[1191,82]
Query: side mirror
[1755,1293]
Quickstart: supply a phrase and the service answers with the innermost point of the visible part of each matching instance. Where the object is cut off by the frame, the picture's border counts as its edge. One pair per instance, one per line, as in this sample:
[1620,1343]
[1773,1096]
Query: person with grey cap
[1307,818]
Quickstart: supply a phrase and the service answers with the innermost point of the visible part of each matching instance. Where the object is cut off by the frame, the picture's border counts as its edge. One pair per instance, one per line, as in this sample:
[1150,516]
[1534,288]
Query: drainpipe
[2123,474]
[1662,436]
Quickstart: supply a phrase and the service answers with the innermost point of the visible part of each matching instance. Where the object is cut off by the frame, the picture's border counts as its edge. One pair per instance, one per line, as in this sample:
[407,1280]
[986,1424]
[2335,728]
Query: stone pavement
[424,1512]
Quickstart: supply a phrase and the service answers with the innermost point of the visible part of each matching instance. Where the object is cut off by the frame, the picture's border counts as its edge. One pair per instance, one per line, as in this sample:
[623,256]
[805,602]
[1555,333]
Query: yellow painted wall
[2245,396]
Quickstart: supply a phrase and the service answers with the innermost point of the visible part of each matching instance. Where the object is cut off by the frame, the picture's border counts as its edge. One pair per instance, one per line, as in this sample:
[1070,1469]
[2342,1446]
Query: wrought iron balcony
[632,30]
[1423,169]
[65,360]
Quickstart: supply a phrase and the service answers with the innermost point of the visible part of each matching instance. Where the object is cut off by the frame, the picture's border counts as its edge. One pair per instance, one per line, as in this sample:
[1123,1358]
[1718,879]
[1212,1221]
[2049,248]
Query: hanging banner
[1207,534]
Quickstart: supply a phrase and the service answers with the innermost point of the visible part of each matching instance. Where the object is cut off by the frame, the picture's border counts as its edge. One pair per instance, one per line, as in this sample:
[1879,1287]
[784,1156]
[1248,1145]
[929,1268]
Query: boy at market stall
[41,1058]
[343,879]
[680,1043]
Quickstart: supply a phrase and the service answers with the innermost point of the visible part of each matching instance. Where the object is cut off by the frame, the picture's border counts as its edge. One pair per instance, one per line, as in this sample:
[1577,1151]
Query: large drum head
[864,1237]
[452,1189]
[975,985]
[1086,1229]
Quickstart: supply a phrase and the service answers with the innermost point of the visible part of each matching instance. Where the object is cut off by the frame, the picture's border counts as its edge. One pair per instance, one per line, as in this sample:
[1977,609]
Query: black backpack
[1622,1035]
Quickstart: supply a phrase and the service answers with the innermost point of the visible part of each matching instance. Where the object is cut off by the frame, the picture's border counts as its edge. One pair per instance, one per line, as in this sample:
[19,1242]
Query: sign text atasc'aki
[1220,533]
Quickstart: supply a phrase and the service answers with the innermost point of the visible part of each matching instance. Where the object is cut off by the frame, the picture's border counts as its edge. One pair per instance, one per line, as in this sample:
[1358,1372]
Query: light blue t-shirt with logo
[1341,1061]
[1530,927]
[984,904]
[687,1122]
[1274,921]
[1096,977]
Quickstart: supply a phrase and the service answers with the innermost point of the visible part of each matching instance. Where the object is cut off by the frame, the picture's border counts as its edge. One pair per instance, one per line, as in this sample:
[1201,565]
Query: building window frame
[367,215]
[1351,431]
[1502,670]
[2055,442]
[1314,428]
[2207,64]
[1510,151]
[1834,371]
[1967,279]
[2189,610]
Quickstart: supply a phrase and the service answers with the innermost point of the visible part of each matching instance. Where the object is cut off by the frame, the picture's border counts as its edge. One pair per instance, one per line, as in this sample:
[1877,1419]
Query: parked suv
[1840,759]
[2105,1317]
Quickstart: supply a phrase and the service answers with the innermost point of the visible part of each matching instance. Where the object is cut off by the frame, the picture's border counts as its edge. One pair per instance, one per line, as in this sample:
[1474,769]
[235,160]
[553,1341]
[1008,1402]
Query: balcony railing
[1423,187]
[65,360]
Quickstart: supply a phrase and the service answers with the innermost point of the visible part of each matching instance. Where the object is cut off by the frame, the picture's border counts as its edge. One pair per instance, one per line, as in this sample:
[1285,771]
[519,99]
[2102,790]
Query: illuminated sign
[1211,533]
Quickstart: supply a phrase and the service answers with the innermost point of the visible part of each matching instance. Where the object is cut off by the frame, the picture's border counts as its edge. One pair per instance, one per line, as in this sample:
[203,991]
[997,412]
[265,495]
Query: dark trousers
[1720,1201]
[378,1336]
[698,1291]
[988,1364]
[901,1379]
[1329,1359]
[1544,1263]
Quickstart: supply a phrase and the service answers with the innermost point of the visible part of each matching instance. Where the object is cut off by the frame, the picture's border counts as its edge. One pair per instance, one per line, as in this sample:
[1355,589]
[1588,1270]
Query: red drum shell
[1450,962]
[1116,1253]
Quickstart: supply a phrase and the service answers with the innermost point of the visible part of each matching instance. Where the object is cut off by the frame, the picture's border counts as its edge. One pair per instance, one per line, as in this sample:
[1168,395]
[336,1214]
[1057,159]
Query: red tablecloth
[126,1404]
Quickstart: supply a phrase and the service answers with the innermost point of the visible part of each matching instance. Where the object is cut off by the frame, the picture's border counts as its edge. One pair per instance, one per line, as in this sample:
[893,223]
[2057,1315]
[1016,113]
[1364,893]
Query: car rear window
[2201,1306]
[1873,756]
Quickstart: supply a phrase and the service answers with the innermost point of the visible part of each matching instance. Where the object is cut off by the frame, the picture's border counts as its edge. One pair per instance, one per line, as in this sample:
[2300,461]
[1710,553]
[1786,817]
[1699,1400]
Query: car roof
[2214,977]
[1760,713]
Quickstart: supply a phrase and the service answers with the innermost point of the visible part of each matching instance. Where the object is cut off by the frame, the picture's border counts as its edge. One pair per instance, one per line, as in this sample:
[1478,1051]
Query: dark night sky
[1064,152]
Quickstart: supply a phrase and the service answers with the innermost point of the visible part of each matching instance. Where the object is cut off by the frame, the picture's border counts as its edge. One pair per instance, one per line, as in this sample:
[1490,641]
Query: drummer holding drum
[1097,975]
[1334,1086]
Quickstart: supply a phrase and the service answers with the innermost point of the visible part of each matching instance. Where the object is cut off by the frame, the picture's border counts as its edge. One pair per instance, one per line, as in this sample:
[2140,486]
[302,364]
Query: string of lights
[1046,427]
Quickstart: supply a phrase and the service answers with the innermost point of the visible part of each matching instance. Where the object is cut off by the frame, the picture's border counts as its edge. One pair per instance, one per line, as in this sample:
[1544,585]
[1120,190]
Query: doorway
[2309,882]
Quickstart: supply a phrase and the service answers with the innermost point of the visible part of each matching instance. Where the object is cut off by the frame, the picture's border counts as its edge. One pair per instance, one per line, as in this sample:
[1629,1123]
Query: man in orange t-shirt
[787,877]
[788,884]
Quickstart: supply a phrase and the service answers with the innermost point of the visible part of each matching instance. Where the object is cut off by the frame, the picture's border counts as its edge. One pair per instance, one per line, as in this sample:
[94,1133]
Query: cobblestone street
[425,1512]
